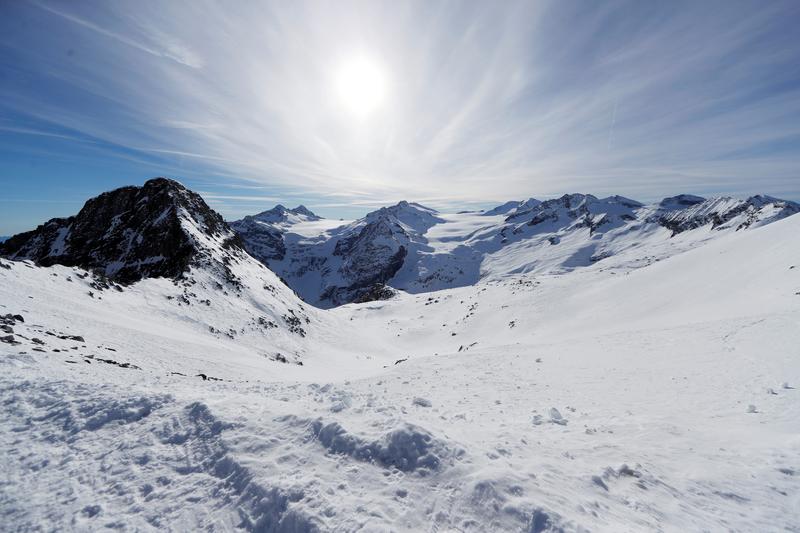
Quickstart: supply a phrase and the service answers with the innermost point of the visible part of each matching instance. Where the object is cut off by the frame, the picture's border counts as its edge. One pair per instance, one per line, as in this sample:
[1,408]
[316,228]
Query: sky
[347,106]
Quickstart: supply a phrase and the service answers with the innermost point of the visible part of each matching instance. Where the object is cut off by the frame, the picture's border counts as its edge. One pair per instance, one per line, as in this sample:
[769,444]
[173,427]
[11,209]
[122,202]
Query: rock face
[156,230]
[371,251]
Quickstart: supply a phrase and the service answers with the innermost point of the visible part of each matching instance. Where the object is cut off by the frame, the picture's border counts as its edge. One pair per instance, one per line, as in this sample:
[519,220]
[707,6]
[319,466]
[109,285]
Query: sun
[361,86]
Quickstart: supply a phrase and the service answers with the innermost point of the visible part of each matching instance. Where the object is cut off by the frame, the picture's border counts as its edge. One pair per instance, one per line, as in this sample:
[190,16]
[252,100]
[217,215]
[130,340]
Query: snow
[60,245]
[609,398]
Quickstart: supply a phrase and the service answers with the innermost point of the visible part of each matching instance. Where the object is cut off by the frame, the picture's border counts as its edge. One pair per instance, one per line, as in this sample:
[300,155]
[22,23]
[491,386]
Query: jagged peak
[303,210]
[530,202]
[410,215]
[402,208]
[281,213]
[406,205]
[759,200]
[154,230]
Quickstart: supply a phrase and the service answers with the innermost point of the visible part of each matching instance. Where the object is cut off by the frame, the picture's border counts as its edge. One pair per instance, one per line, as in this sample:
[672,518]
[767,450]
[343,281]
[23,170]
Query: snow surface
[608,398]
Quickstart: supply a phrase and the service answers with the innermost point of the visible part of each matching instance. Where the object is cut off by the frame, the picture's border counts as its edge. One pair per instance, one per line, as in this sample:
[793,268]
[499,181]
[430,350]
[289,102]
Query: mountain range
[566,365]
[416,249]
[162,228]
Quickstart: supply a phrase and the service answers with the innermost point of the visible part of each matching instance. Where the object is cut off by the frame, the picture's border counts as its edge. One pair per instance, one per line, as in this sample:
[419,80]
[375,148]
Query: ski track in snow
[585,401]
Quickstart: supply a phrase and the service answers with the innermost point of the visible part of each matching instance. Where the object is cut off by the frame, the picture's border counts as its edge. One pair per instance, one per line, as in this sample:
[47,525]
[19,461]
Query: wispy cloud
[485,101]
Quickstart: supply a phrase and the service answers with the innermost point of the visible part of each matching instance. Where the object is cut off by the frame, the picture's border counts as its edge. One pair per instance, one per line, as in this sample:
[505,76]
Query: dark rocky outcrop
[379,291]
[130,233]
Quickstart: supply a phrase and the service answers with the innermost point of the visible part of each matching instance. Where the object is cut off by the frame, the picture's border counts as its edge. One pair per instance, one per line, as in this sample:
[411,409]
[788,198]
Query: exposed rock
[379,291]
[129,233]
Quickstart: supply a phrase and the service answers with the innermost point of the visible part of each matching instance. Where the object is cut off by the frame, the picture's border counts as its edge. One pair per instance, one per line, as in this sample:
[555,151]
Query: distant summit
[681,201]
[280,214]
[509,208]
[262,233]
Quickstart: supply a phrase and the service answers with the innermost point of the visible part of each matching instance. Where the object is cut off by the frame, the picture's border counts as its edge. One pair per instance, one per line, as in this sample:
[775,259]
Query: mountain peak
[512,207]
[414,216]
[680,201]
[280,213]
[303,210]
[163,182]
[130,233]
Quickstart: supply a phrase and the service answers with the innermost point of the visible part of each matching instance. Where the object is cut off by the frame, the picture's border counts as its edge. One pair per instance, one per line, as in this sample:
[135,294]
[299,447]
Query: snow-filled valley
[651,389]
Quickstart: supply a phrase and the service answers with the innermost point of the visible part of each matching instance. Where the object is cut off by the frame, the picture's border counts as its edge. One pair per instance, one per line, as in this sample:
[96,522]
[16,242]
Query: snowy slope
[137,253]
[600,399]
[417,250]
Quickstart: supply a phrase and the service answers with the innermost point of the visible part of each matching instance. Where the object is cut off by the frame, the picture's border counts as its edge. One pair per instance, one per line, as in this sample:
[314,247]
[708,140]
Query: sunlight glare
[361,86]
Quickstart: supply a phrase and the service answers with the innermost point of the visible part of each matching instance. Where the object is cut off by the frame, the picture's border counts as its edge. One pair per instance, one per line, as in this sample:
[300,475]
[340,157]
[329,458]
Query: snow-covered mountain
[509,208]
[338,264]
[415,249]
[160,249]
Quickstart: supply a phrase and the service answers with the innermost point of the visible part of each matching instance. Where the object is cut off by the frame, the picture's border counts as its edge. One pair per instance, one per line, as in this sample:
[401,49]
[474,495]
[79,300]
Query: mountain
[3,238]
[131,233]
[281,214]
[725,212]
[415,249]
[512,207]
[262,234]
[339,264]
[165,237]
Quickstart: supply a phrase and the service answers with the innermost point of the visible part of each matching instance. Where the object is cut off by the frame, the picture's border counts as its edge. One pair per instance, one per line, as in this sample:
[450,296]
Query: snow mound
[407,448]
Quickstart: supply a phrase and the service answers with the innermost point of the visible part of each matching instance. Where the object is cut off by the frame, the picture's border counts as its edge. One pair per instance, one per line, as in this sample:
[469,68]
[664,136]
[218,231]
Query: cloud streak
[485,101]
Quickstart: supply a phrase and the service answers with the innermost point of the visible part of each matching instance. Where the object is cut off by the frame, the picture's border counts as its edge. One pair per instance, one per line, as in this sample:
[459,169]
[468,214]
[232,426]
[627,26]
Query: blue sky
[481,102]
